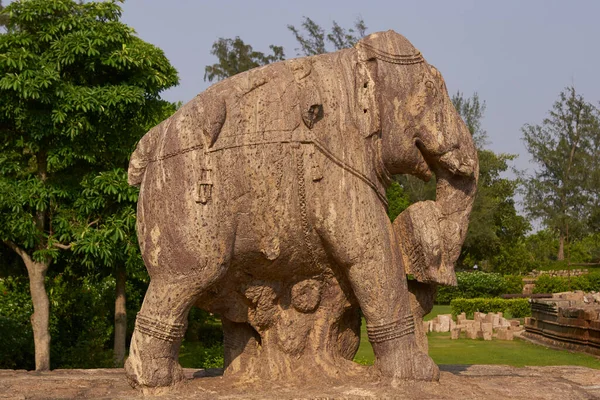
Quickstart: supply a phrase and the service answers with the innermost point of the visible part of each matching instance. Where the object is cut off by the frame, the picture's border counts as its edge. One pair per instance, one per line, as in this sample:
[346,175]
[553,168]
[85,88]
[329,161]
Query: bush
[558,284]
[517,308]
[16,335]
[195,355]
[81,318]
[513,284]
[81,321]
[204,327]
[479,284]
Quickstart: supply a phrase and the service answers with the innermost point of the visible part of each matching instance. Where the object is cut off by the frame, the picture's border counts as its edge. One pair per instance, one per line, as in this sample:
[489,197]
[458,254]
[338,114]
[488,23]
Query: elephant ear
[365,88]
[310,103]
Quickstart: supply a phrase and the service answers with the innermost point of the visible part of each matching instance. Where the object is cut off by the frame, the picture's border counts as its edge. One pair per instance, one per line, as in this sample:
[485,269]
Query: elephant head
[422,134]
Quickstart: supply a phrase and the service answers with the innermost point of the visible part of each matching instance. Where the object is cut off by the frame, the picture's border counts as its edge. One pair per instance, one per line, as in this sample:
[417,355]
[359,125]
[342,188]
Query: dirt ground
[456,382]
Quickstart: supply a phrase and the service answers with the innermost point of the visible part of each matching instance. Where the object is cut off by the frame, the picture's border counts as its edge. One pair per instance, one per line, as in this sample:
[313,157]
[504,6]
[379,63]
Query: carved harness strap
[159,329]
[392,330]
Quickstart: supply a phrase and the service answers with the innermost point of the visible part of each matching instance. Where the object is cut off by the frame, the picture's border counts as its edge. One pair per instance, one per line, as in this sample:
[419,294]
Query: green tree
[314,39]
[109,244]
[3,16]
[235,56]
[76,89]
[564,147]
[398,200]
[495,229]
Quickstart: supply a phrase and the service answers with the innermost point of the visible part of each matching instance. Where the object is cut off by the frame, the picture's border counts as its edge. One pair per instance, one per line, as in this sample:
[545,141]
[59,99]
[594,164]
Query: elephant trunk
[431,233]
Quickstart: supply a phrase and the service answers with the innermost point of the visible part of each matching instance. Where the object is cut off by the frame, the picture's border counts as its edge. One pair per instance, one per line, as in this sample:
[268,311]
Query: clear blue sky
[518,55]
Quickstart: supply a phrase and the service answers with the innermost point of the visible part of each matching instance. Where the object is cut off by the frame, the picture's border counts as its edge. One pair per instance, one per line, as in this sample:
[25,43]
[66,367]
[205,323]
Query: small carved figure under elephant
[263,200]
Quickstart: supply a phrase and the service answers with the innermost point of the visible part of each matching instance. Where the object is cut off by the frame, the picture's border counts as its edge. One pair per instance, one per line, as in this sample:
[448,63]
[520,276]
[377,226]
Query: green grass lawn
[518,353]
[442,349]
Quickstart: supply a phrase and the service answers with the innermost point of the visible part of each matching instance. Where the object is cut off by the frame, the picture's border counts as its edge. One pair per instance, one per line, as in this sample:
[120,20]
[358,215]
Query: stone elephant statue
[263,200]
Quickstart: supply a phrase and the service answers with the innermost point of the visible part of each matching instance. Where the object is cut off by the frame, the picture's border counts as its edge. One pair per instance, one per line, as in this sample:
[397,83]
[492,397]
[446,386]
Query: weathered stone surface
[459,382]
[263,200]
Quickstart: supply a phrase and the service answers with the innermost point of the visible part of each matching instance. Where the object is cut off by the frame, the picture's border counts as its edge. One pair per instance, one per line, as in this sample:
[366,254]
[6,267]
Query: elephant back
[195,126]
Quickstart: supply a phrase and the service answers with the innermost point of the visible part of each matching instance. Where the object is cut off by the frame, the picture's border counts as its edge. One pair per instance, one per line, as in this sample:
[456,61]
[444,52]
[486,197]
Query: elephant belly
[274,238]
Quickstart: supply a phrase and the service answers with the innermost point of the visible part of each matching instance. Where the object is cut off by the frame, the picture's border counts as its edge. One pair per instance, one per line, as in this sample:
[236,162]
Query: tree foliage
[314,40]
[77,89]
[3,16]
[235,56]
[559,192]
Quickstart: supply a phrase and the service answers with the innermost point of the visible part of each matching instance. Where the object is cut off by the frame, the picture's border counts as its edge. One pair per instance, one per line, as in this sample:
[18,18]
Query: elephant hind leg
[160,327]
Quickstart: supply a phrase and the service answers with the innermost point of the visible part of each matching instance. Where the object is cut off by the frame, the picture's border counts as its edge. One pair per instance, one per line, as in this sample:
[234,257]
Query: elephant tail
[144,153]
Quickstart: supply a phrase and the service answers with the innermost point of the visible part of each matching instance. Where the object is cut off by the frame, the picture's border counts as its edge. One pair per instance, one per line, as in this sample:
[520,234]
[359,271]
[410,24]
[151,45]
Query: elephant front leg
[379,283]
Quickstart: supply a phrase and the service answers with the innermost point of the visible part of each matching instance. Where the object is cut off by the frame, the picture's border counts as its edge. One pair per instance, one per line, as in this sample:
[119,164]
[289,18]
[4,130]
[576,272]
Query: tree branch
[15,248]
[62,246]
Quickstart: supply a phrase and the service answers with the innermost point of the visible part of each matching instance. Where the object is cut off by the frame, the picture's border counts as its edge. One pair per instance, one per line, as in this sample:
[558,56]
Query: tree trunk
[41,306]
[561,247]
[41,313]
[120,318]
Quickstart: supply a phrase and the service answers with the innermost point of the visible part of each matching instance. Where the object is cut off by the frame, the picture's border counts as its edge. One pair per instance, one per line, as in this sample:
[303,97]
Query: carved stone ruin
[570,320]
[263,200]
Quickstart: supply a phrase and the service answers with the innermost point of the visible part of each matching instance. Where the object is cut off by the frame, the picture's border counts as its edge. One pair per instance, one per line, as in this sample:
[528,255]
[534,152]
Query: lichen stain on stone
[155,251]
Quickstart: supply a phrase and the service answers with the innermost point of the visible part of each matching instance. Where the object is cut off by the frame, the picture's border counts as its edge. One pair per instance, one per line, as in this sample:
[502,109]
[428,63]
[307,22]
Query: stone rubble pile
[482,326]
[560,272]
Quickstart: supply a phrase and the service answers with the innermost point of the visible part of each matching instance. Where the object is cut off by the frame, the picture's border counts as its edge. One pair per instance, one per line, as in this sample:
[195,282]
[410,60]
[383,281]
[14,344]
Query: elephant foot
[155,366]
[405,361]
[399,357]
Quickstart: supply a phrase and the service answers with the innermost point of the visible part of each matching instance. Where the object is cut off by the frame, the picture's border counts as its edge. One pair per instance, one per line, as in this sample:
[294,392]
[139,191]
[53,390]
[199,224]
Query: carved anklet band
[159,329]
[393,330]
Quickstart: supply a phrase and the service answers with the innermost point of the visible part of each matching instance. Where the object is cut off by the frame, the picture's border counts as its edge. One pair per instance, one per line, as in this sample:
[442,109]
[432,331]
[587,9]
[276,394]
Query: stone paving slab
[456,382]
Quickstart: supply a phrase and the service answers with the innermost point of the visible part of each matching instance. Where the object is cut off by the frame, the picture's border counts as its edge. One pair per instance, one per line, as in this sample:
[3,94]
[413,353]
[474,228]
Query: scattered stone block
[514,322]
[444,322]
[455,333]
[461,317]
[487,327]
[426,326]
[494,319]
[473,330]
[486,335]
[504,334]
